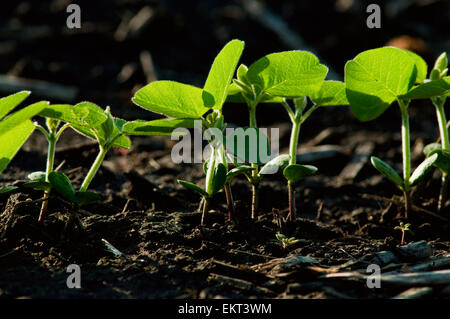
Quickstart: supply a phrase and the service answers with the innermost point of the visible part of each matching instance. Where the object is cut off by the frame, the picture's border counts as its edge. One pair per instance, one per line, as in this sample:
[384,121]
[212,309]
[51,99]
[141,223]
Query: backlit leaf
[221,73]
[376,78]
[288,74]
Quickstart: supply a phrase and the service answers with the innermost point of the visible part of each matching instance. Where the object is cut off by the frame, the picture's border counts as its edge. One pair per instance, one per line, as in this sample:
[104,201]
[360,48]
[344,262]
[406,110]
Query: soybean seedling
[273,78]
[330,93]
[189,103]
[374,80]
[90,120]
[285,241]
[15,128]
[404,228]
[439,79]
[52,133]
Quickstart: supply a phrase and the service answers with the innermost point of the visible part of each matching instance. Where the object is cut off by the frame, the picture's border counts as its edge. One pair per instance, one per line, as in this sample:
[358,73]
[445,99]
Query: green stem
[255,178]
[293,144]
[94,168]
[52,139]
[205,211]
[288,110]
[443,192]
[406,148]
[230,203]
[442,120]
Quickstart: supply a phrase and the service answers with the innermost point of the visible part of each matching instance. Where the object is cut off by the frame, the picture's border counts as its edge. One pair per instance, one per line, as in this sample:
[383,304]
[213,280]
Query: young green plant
[273,78]
[290,74]
[93,122]
[189,103]
[404,228]
[285,241]
[331,93]
[52,133]
[441,83]
[15,128]
[374,80]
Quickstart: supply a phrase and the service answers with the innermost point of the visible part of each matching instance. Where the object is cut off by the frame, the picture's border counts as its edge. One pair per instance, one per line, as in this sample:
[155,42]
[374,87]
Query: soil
[153,222]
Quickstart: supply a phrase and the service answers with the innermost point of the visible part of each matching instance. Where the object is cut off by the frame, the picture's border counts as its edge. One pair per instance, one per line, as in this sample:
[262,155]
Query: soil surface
[346,213]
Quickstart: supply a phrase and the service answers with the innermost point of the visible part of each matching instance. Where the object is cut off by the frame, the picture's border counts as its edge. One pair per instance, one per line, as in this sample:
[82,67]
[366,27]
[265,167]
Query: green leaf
[12,140]
[422,170]
[239,170]
[172,99]
[421,66]
[221,73]
[297,172]
[99,125]
[86,198]
[441,62]
[219,178]
[443,160]
[156,127]
[65,113]
[92,115]
[288,74]
[21,116]
[385,169]
[7,189]
[375,78]
[40,185]
[430,89]
[241,74]
[193,187]
[8,103]
[331,93]
[61,183]
[235,96]
[272,166]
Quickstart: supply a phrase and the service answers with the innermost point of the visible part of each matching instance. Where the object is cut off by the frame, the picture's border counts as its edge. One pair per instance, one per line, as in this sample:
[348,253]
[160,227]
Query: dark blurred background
[124,44]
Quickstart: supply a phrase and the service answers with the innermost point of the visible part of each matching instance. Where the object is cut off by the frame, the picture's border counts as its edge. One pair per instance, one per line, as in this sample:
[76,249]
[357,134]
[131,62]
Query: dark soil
[153,221]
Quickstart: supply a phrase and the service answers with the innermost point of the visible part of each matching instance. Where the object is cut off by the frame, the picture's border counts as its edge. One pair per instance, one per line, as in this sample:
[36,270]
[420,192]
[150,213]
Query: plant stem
[403,238]
[50,163]
[442,120]
[255,181]
[205,211]
[443,192]
[406,148]
[94,168]
[255,200]
[293,144]
[230,202]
